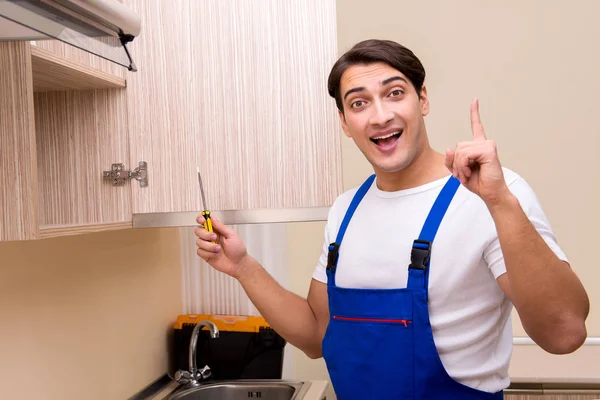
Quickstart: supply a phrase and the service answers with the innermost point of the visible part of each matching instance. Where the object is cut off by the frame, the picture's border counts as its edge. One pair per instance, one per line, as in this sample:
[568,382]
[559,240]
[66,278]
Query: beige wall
[85,317]
[534,66]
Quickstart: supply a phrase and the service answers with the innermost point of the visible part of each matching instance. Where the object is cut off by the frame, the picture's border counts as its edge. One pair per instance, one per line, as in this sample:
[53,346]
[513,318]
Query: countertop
[557,380]
[316,391]
[545,385]
[163,386]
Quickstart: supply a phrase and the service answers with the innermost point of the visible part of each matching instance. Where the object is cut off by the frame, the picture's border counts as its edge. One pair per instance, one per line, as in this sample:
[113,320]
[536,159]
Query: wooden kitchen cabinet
[61,124]
[237,89]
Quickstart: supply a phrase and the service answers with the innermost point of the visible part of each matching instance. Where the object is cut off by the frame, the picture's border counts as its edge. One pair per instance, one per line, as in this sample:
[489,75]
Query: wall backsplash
[208,291]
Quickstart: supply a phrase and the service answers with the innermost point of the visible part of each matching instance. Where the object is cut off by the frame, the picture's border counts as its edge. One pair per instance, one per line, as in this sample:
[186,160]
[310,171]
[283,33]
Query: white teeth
[387,136]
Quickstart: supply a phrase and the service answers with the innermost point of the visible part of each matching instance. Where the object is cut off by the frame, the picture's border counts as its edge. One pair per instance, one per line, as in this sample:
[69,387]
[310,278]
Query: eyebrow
[392,79]
[383,83]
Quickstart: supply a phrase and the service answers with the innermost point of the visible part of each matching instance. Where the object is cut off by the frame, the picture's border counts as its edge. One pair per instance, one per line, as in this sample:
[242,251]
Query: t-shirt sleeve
[533,209]
[320,273]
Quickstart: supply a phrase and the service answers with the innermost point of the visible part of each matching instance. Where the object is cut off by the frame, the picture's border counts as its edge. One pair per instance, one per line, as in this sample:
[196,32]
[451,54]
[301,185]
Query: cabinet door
[18,170]
[239,90]
[79,135]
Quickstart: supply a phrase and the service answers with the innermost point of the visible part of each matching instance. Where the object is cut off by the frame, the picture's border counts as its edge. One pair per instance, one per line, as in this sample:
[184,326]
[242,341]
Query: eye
[357,104]
[396,93]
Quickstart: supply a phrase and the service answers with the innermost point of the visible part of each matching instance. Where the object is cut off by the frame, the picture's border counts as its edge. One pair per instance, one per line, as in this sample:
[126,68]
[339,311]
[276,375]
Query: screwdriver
[205,213]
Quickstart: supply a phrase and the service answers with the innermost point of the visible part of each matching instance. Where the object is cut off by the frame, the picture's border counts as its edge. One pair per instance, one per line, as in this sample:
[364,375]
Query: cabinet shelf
[54,73]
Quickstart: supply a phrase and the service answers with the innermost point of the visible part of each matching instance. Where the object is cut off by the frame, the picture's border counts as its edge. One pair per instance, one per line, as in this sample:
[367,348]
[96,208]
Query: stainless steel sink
[243,390]
[195,384]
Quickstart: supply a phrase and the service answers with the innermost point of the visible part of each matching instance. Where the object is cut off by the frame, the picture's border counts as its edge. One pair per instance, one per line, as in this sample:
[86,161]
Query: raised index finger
[476,126]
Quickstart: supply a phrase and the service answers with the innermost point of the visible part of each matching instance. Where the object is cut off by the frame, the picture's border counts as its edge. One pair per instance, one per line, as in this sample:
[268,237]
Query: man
[422,264]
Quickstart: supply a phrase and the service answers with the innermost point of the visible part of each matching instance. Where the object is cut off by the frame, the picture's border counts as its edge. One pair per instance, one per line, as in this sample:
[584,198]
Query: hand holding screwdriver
[229,255]
[205,213]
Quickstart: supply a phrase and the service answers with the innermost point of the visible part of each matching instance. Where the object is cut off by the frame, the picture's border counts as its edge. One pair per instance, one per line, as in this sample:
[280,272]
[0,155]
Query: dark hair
[373,51]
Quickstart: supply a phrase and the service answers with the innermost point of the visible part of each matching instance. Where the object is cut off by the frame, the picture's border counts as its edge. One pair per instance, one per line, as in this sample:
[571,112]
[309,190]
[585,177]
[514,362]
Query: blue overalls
[379,343]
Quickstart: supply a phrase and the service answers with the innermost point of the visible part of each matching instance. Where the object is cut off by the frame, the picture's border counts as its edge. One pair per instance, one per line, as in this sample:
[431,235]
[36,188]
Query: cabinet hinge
[118,174]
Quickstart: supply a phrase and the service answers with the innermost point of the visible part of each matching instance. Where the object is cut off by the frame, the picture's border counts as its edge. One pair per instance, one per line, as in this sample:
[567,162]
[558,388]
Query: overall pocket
[404,322]
[370,357]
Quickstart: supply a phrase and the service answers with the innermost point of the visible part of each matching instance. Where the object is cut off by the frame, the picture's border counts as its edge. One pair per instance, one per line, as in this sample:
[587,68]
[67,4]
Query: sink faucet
[193,376]
[214,333]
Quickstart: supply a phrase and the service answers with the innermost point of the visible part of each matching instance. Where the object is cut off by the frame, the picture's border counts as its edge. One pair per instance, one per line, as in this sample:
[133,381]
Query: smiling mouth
[387,139]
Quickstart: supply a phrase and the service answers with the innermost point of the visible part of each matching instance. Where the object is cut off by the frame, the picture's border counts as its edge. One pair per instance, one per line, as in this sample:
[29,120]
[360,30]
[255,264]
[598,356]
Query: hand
[228,254]
[475,163]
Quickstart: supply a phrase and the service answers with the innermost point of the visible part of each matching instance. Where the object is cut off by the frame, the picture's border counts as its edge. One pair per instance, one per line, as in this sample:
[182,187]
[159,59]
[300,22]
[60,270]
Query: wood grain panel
[67,230]
[80,134]
[552,396]
[237,88]
[18,170]
[74,54]
[53,73]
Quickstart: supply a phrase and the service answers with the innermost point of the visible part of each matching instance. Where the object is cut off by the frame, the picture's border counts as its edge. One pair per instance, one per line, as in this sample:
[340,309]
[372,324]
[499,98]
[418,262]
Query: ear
[424,100]
[344,124]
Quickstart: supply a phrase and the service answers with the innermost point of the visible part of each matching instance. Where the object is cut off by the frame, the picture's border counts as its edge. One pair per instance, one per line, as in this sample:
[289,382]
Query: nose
[381,116]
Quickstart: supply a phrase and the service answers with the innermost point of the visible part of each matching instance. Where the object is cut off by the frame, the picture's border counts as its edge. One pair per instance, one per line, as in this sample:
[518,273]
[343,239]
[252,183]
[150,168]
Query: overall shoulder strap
[334,247]
[418,270]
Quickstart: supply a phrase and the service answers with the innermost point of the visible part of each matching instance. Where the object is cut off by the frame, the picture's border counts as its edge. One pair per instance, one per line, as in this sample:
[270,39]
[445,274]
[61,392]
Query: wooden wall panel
[80,134]
[237,88]
[18,171]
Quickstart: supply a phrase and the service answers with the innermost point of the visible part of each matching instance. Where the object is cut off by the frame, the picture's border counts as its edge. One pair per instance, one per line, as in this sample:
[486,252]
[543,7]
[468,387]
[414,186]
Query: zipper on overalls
[404,322]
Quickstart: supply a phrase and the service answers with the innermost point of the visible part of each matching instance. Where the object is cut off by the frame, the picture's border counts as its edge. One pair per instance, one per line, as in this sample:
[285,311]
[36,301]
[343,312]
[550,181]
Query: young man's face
[383,114]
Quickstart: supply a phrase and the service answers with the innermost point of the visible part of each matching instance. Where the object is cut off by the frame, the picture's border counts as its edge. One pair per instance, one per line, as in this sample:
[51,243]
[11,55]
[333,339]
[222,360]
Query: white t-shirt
[470,314]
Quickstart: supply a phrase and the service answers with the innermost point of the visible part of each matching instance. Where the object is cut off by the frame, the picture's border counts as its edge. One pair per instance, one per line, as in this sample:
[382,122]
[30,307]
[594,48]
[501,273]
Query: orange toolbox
[247,347]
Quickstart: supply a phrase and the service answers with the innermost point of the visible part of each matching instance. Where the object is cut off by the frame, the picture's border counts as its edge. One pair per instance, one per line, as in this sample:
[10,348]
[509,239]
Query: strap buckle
[420,254]
[332,256]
